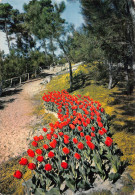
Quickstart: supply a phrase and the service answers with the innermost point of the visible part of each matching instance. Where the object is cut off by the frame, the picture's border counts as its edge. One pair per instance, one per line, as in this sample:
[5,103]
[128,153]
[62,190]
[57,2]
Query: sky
[72,14]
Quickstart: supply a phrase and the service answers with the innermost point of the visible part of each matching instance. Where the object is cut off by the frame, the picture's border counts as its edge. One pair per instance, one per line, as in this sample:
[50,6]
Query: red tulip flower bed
[76,149]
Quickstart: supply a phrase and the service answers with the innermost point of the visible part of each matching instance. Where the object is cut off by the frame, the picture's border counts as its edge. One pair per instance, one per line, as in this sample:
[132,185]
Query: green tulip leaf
[53,191]
[114,176]
[39,191]
[71,184]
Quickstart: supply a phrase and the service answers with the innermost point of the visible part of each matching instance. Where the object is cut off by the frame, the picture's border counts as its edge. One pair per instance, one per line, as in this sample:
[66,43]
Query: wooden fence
[12,82]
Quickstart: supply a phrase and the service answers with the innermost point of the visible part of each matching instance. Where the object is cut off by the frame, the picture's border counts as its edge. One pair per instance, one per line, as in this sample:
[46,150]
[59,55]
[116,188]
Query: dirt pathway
[16,109]
[15,117]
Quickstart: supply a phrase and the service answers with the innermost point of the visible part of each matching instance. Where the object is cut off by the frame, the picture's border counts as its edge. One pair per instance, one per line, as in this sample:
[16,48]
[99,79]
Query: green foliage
[13,65]
[43,19]
[6,19]
[109,21]
[61,60]
[38,17]
[39,59]
[12,23]
[95,70]
[22,58]
[112,23]
[85,47]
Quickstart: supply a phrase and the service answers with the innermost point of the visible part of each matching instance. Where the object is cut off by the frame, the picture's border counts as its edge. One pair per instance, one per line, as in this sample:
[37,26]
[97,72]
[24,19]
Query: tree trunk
[116,76]
[110,75]
[45,49]
[0,88]
[130,75]
[35,73]
[71,75]
[6,31]
[53,54]
[127,78]
[131,5]
[69,62]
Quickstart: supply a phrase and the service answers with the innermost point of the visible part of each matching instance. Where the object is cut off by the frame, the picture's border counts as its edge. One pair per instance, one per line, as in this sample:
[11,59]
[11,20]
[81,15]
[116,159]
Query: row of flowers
[75,149]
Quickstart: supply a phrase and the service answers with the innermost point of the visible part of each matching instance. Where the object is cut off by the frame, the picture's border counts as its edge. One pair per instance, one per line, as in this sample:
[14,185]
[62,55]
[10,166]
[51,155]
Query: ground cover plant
[77,147]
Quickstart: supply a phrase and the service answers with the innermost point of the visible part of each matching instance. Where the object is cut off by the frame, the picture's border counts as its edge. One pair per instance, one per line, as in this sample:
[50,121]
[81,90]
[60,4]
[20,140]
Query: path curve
[15,118]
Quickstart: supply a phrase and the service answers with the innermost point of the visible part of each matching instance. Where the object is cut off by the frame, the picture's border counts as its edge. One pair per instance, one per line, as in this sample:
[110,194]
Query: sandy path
[15,118]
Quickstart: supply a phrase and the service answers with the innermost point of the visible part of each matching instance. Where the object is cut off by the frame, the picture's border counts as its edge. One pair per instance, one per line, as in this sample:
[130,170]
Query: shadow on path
[11,92]
[6,97]
[4,103]
[125,110]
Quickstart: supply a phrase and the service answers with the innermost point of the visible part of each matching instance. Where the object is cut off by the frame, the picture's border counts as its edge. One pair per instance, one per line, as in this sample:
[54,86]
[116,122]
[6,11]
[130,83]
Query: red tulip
[18,174]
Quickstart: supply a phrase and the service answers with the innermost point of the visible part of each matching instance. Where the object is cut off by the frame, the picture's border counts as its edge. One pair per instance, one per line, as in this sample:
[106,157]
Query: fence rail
[14,81]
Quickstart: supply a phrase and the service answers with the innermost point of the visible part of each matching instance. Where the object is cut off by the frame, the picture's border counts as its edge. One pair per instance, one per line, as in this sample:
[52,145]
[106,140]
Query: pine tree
[111,22]
[6,20]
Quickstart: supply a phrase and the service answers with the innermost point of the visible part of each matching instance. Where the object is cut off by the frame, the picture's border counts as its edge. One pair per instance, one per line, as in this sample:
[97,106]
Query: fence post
[28,76]
[20,80]
[35,73]
[11,82]
[0,88]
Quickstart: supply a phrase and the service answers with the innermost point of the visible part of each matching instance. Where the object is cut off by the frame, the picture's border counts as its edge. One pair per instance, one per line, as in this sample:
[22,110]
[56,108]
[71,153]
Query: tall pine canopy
[112,23]
[6,22]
